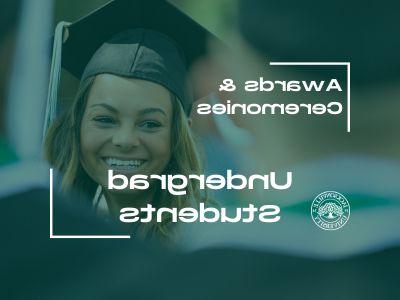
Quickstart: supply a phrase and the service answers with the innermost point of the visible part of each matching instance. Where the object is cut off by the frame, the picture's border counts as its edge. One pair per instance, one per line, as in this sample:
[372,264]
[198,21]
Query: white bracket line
[347,64]
[53,236]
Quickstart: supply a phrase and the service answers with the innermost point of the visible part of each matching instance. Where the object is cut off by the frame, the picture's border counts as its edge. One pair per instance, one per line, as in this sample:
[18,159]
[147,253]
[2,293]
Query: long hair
[62,150]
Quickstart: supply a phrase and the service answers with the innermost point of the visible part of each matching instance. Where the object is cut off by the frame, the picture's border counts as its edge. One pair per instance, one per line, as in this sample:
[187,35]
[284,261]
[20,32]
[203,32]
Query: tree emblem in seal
[330,210]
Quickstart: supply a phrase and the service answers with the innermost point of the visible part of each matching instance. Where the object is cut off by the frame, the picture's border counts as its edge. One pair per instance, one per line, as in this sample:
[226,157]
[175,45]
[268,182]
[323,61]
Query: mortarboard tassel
[60,36]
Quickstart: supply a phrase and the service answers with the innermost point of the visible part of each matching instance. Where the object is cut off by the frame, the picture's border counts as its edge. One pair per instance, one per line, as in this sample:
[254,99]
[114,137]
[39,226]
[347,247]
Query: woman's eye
[104,120]
[150,124]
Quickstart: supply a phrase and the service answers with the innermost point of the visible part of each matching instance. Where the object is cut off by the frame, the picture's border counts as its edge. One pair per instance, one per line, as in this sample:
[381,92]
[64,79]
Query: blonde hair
[62,150]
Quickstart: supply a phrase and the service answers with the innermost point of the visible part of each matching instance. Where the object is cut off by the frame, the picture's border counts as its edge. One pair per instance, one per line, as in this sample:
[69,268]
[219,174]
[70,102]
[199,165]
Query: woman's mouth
[123,164]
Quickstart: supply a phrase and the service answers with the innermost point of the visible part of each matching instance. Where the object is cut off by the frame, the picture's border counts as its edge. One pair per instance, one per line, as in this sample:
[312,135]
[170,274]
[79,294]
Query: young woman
[130,116]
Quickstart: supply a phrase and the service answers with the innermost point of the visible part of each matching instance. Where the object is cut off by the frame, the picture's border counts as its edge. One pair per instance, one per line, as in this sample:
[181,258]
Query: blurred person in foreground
[359,259]
[362,164]
[36,267]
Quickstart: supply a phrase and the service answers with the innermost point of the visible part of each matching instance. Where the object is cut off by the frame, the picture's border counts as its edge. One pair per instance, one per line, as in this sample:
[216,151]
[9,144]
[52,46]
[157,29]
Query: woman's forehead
[129,94]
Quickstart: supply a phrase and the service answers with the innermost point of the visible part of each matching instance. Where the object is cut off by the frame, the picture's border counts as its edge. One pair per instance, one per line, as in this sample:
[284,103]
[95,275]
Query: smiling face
[126,127]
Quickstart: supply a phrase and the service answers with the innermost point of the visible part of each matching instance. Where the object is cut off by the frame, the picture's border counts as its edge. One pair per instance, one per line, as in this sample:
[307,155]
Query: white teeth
[114,162]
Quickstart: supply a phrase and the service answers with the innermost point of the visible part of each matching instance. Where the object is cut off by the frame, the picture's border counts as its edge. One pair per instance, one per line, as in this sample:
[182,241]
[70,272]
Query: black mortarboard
[146,39]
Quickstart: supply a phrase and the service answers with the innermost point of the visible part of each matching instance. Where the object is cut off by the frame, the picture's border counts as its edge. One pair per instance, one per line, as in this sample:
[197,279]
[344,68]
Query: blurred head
[339,31]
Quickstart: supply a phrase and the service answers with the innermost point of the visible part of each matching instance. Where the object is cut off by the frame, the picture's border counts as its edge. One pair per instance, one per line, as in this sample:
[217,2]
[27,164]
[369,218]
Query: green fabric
[6,154]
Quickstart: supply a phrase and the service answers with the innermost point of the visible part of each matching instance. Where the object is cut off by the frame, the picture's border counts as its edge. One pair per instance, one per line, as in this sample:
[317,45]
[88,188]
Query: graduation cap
[145,39]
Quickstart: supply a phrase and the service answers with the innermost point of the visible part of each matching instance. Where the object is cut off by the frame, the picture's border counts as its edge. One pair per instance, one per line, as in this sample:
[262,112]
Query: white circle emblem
[330,210]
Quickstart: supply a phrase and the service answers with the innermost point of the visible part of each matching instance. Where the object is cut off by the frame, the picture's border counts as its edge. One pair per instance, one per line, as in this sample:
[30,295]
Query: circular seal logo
[330,210]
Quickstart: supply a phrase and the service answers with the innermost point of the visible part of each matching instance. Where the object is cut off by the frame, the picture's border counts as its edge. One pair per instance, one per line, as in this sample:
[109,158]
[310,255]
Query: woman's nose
[126,138]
